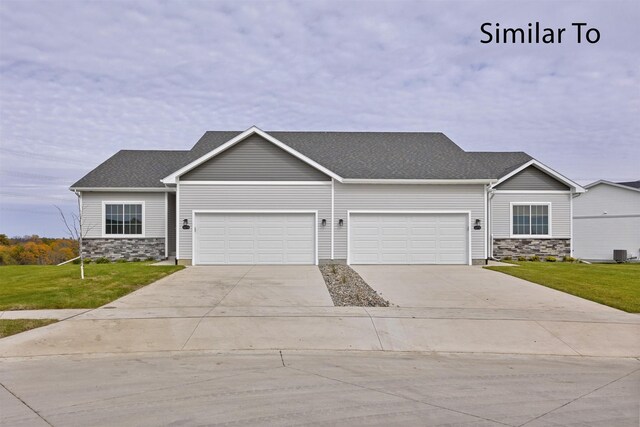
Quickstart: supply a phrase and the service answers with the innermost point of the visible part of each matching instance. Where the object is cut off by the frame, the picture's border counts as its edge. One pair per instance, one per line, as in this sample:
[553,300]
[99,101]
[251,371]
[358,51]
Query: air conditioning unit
[619,255]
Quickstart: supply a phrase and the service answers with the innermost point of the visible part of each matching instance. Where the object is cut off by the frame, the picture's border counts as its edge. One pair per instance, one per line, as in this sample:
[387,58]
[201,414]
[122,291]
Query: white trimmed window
[530,220]
[123,219]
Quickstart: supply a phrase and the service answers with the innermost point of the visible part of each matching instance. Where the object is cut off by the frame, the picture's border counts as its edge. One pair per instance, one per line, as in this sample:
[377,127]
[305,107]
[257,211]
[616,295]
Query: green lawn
[615,285]
[15,326]
[24,287]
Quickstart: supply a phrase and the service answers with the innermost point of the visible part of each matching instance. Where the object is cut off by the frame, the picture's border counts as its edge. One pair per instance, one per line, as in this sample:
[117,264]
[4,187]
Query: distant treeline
[29,250]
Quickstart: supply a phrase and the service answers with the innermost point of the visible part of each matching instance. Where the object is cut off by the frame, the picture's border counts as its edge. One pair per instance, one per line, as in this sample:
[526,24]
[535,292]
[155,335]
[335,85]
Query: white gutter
[126,189]
[418,181]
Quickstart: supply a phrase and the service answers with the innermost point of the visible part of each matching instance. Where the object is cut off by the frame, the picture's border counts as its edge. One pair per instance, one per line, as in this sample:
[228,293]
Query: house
[312,197]
[605,218]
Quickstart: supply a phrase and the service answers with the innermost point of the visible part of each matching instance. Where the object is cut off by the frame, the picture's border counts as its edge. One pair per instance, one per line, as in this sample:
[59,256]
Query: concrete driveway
[234,286]
[441,309]
[177,352]
[447,286]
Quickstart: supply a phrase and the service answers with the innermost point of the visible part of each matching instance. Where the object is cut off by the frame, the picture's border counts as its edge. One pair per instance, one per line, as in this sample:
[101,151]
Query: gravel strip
[347,288]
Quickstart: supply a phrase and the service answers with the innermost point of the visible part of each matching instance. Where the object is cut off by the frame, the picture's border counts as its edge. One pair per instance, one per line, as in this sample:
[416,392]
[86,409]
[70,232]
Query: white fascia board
[418,181]
[126,189]
[533,162]
[171,179]
[613,184]
[327,183]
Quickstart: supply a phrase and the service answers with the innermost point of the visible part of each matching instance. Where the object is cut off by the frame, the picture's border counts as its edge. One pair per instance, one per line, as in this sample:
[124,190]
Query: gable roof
[346,156]
[535,163]
[633,185]
[387,155]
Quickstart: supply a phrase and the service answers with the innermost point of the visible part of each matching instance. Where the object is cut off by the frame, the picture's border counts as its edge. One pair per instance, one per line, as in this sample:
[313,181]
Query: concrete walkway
[61,314]
[288,308]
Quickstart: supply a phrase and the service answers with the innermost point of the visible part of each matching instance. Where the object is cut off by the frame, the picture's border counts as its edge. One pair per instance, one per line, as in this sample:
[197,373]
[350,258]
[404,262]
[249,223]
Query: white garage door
[390,238]
[254,238]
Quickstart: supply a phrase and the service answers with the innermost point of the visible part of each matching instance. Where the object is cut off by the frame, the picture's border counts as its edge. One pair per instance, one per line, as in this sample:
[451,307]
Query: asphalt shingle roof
[632,184]
[356,155]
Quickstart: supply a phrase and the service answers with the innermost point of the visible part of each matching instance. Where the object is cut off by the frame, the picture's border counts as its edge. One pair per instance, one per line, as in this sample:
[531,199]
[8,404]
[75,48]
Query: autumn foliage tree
[35,250]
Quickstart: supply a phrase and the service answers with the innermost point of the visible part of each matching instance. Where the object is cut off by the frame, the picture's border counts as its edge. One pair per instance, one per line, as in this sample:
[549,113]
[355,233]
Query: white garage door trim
[195,212]
[459,212]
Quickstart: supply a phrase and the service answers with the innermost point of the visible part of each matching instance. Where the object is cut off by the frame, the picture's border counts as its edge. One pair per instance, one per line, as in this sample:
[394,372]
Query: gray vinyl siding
[501,212]
[532,178]
[154,211]
[255,197]
[606,198]
[596,233]
[171,223]
[409,197]
[254,159]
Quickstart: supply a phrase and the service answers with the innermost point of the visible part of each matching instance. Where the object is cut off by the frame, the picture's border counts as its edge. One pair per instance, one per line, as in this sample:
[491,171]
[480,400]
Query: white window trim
[195,212]
[122,236]
[529,236]
[383,211]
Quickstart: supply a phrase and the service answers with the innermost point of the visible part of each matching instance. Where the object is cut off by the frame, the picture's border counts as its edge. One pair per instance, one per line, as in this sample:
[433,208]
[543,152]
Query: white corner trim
[195,212]
[255,182]
[420,211]
[178,221]
[533,162]
[166,225]
[332,216]
[122,236]
[530,236]
[171,179]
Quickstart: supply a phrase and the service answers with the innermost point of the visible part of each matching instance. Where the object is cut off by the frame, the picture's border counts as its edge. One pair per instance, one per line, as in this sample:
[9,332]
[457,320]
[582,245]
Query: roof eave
[419,181]
[126,189]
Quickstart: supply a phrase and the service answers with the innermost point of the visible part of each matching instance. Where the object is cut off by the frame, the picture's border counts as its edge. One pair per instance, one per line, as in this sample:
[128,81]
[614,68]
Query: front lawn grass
[615,285]
[30,287]
[15,326]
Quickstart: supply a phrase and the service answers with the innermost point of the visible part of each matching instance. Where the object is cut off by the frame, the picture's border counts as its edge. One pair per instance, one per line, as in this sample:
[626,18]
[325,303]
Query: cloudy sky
[82,80]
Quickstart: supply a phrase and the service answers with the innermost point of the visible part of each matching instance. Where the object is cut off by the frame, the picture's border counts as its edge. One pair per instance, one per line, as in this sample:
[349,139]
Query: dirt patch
[347,288]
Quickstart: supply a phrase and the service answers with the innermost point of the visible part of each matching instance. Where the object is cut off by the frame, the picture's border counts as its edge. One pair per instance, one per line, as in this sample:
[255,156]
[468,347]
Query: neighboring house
[605,218]
[307,197]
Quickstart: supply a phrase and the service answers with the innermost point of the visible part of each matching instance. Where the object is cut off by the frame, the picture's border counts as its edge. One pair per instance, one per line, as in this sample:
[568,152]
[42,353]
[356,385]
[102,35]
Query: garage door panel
[394,244]
[408,238]
[240,244]
[255,238]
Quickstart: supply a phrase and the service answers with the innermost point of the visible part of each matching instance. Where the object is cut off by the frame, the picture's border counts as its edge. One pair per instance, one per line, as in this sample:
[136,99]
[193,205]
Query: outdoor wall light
[185,224]
[340,222]
[477,226]
[324,222]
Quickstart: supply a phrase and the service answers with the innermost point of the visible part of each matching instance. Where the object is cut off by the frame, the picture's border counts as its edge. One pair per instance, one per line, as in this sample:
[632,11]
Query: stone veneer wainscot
[528,247]
[128,249]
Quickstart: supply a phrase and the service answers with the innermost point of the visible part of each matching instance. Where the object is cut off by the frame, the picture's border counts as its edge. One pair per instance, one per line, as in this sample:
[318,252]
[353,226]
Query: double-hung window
[530,219]
[122,219]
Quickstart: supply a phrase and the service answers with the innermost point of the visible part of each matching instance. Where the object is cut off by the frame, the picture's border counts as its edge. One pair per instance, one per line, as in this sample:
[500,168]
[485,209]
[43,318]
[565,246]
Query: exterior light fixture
[477,226]
[340,222]
[185,224]
[324,222]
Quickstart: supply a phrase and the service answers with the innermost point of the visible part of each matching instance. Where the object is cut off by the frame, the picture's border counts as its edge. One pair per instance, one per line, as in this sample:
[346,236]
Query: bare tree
[76,229]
